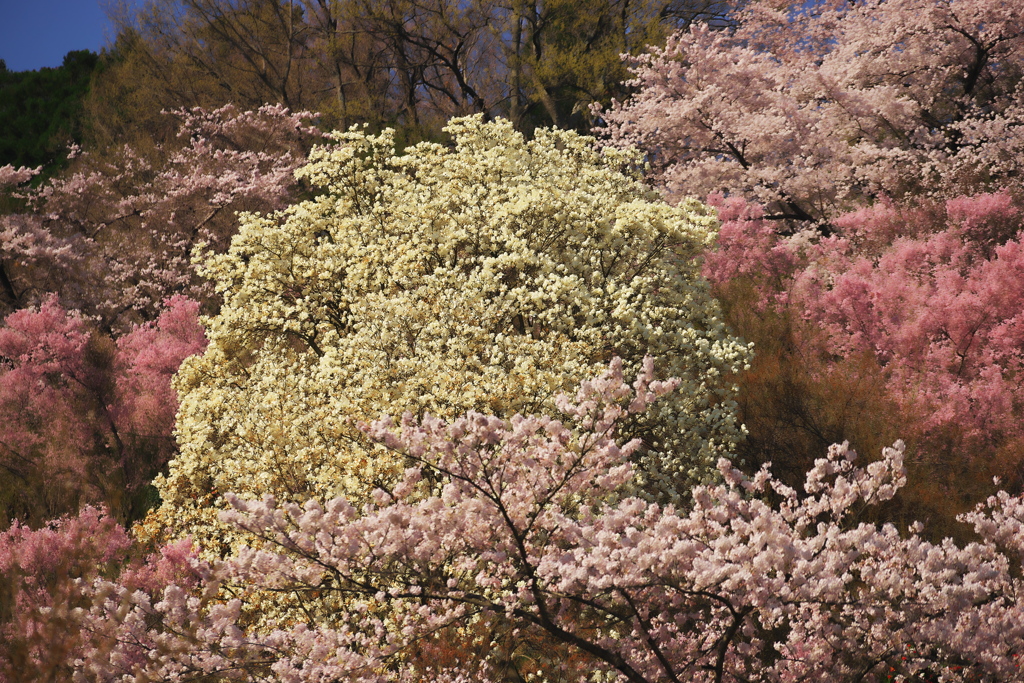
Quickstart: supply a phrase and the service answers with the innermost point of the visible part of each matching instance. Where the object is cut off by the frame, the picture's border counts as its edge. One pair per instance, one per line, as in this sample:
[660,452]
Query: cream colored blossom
[491,275]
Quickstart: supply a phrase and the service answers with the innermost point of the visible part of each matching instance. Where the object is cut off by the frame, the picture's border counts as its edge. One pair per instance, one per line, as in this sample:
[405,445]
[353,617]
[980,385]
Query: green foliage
[41,111]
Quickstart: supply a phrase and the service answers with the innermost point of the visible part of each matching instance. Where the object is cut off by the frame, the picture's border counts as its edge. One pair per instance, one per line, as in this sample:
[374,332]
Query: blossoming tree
[84,419]
[45,583]
[917,304]
[524,521]
[815,110]
[893,127]
[114,237]
[489,275]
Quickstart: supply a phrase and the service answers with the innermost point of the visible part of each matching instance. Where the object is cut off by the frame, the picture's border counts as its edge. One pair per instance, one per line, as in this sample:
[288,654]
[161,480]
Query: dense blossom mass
[114,236]
[490,275]
[85,419]
[525,528]
[931,292]
[864,158]
[375,472]
[816,109]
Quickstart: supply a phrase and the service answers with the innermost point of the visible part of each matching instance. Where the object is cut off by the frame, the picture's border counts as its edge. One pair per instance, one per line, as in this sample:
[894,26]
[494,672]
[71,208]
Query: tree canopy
[392,63]
[41,112]
[489,276]
[825,107]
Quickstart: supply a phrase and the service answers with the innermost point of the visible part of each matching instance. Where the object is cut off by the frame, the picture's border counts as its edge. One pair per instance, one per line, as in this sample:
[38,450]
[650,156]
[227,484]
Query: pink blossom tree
[84,419]
[931,291]
[46,574]
[146,360]
[524,521]
[38,632]
[88,419]
[942,310]
[818,109]
[114,238]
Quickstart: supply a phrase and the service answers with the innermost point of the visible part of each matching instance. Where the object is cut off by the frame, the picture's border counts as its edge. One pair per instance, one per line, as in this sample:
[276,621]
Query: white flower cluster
[490,275]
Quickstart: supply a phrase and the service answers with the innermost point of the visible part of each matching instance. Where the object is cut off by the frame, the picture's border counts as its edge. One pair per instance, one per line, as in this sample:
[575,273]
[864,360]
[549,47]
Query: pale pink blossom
[819,109]
[524,520]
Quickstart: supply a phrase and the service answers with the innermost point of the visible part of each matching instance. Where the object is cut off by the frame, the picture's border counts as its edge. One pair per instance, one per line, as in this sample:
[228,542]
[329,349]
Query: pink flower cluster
[114,238]
[84,419]
[524,521]
[933,291]
[816,109]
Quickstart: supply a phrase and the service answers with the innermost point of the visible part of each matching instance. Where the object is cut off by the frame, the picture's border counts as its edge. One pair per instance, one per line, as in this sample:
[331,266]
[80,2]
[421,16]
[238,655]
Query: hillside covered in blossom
[580,340]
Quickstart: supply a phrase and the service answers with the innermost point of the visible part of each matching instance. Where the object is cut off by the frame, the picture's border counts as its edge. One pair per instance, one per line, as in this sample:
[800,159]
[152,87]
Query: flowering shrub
[491,275]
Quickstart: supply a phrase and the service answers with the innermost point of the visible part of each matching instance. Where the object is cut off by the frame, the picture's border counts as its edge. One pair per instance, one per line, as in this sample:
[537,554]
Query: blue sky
[38,33]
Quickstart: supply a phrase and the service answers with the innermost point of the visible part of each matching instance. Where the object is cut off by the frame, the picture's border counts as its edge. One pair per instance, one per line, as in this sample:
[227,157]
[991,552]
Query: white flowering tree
[489,275]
